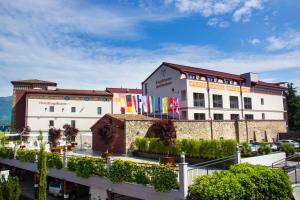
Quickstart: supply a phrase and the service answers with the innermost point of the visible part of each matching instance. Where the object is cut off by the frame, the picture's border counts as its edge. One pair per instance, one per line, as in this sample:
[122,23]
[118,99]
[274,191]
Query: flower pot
[170,160]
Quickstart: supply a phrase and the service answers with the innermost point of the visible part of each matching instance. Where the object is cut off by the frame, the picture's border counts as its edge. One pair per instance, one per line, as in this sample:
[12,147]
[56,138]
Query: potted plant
[70,133]
[108,138]
[166,131]
[54,136]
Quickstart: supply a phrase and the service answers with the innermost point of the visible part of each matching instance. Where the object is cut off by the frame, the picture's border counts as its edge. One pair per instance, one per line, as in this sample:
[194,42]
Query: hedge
[6,153]
[27,155]
[87,166]
[162,177]
[207,149]
[10,188]
[242,181]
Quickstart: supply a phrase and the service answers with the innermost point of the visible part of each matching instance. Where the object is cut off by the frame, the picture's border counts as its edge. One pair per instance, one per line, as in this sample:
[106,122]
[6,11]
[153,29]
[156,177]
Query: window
[247,103]
[218,117]
[86,98]
[262,101]
[66,98]
[146,88]
[73,109]
[212,79]
[199,116]
[217,101]
[192,76]
[51,108]
[73,123]
[263,116]
[51,123]
[228,81]
[199,100]
[249,117]
[234,116]
[183,95]
[183,115]
[99,110]
[234,102]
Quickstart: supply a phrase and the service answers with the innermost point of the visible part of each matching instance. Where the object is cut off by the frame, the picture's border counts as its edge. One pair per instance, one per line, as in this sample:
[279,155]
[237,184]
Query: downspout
[209,111]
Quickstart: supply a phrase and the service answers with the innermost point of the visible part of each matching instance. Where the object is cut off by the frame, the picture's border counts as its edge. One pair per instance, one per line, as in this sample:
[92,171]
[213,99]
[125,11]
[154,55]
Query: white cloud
[288,40]
[240,9]
[245,11]
[254,41]
[217,22]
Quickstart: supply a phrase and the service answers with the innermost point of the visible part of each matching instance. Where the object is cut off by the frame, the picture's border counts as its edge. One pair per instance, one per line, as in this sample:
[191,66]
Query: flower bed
[204,149]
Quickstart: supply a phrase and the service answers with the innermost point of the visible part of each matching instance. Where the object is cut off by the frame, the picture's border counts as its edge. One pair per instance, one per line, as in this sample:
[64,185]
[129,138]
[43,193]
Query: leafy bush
[288,148]
[54,160]
[26,155]
[162,177]
[6,152]
[243,181]
[87,166]
[210,149]
[10,189]
[264,148]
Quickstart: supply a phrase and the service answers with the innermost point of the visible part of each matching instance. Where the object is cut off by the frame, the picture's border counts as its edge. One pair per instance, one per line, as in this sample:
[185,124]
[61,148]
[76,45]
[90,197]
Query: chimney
[250,77]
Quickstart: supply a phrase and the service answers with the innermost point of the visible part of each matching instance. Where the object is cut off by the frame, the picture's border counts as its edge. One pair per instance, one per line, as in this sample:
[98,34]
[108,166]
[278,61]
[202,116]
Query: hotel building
[211,95]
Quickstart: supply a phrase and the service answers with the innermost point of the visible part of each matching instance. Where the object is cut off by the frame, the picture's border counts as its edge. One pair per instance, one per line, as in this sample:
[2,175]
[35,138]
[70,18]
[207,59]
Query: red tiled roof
[34,81]
[265,84]
[70,92]
[124,90]
[206,72]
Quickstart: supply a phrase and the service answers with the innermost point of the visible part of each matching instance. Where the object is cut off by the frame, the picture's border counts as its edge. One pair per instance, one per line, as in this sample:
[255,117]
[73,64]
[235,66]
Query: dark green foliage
[26,155]
[42,173]
[293,107]
[162,177]
[288,148]
[6,152]
[264,148]
[10,189]
[208,149]
[87,166]
[243,181]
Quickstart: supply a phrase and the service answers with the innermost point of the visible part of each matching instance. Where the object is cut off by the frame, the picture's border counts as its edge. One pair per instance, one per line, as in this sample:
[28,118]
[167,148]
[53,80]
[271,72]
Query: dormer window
[228,81]
[212,79]
[192,77]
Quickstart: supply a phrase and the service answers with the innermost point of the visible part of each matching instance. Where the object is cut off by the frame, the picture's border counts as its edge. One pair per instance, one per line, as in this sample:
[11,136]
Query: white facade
[266,102]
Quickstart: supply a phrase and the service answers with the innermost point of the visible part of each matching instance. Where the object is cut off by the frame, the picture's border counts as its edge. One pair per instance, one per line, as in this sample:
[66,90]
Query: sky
[93,44]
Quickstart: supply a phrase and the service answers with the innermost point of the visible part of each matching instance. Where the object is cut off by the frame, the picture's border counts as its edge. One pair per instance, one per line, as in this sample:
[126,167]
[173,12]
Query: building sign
[218,86]
[51,103]
[163,82]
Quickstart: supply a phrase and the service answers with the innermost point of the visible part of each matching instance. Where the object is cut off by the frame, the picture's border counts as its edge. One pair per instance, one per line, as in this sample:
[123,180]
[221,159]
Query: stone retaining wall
[240,130]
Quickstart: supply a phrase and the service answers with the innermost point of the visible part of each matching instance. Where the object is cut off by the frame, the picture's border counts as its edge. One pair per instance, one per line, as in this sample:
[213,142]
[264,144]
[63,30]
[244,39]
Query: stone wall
[239,130]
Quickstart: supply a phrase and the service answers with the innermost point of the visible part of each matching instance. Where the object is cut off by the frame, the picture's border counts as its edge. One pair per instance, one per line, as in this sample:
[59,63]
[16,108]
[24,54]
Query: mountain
[5,109]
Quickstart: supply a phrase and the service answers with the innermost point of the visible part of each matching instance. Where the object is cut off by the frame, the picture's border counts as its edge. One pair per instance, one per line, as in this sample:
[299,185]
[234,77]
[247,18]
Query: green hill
[5,110]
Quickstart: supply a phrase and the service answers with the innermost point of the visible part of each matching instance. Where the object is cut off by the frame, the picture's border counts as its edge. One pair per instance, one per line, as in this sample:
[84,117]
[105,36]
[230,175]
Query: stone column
[66,190]
[183,178]
[237,155]
[109,161]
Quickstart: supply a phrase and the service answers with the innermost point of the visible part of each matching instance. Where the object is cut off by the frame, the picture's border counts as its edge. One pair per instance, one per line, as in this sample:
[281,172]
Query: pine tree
[42,173]
[293,104]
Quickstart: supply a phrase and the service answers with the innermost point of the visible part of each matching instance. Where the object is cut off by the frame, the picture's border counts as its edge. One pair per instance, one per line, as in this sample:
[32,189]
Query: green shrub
[54,160]
[162,177]
[264,148]
[26,155]
[10,188]
[243,181]
[209,149]
[87,166]
[288,148]
[6,152]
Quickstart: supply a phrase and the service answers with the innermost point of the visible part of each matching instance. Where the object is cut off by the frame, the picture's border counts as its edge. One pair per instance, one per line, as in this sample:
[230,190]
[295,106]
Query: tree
[107,136]
[293,108]
[42,173]
[70,133]
[55,135]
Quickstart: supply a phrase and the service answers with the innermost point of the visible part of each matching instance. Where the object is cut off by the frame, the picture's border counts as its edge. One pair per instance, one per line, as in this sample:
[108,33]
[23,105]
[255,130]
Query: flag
[139,102]
[165,104]
[159,104]
[176,105]
[144,104]
[152,104]
[129,103]
[122,103]
[171,104]
[134,103]
[149,104]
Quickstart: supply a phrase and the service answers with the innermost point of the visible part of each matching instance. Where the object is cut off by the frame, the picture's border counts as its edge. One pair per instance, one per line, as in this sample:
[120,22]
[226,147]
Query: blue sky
[94,44]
